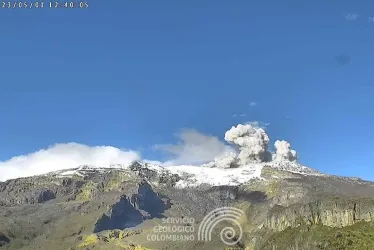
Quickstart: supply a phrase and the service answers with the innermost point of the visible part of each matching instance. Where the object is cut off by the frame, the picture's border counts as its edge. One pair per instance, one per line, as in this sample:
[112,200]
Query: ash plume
[252,144]
[227,160]
[283,151]
[251,141]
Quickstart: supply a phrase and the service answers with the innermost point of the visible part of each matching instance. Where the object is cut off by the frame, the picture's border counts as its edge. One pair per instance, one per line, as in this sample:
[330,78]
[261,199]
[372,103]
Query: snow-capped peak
[191,176]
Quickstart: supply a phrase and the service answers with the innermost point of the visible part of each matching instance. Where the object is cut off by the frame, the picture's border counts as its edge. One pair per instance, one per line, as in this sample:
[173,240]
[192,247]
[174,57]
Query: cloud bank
[248,143]
[64,156]
[351,17]
[258,124]
[193,148]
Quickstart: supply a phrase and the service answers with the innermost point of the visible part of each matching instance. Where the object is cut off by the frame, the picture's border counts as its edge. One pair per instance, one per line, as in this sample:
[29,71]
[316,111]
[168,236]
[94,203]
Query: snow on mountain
[192,176]
[293,167]
[197,175]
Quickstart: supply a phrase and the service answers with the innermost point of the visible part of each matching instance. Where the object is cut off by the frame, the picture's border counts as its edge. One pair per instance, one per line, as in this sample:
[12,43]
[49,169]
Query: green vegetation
[141,248]
[87,192]
[89,240]
[113,237]
[272,173]
[120,234]
[356,237]
[115,181]
[272,189]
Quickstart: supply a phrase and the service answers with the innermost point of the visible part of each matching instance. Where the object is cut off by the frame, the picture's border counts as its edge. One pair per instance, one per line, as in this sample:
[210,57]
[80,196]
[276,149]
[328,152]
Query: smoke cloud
[252,142]
[227,160]
[283,151]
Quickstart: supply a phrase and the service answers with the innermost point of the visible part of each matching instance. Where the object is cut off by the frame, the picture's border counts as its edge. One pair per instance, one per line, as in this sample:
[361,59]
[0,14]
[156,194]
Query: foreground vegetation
[356,237]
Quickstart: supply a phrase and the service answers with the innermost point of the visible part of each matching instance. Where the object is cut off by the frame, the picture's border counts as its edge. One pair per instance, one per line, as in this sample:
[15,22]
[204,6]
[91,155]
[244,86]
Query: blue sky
[133,73]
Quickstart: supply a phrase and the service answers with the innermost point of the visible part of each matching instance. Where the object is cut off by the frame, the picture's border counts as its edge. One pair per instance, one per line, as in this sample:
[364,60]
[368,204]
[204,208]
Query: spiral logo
[228,235]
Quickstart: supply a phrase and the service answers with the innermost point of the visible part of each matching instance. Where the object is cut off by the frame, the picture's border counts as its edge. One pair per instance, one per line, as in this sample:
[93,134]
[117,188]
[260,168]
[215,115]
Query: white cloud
[64,156]
[258,124]
[241,115]
[254,124]
[253,104]
[351,17]
[194,148]
[371,19]
[249,143]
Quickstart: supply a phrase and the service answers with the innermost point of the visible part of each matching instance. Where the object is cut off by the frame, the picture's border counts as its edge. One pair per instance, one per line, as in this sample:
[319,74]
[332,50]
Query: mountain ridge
[190,171]
[118,206]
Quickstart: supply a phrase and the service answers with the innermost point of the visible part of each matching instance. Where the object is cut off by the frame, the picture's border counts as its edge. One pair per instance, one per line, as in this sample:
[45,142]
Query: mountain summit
[274,202]
[285,206]
[192,176]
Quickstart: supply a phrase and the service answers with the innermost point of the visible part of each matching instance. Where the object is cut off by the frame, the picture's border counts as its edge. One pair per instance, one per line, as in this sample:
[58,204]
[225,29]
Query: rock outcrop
[334,212]
[133,209]
[87,207]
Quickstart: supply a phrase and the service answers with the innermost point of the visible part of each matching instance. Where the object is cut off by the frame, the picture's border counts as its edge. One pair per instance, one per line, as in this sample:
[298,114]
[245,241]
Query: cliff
[334,212]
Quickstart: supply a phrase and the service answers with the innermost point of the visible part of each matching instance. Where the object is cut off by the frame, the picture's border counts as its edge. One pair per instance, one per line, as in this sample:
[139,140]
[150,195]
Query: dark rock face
[36,190]
[142,171]
[46,195]
[122,215]
[227,192]
[132,210]
[3,240]
[146,199]
[145,173]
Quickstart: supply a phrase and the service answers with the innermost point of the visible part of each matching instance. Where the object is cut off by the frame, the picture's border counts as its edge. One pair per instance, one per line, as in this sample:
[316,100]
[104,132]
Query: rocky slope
[286,206]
